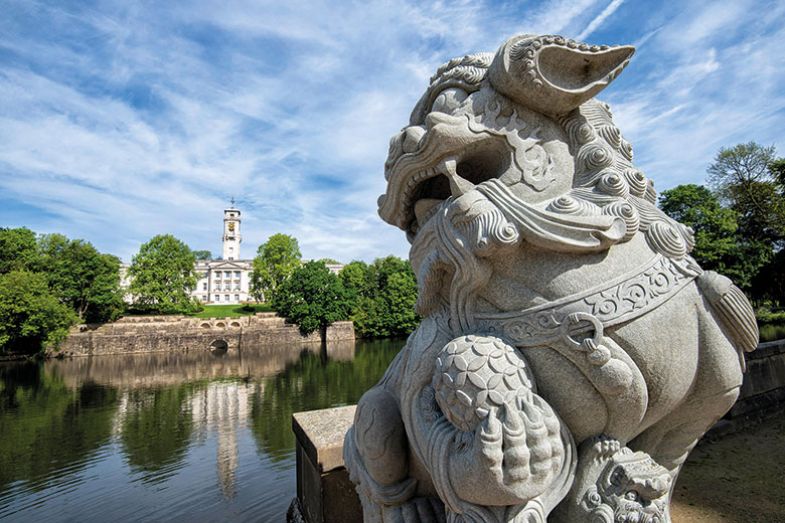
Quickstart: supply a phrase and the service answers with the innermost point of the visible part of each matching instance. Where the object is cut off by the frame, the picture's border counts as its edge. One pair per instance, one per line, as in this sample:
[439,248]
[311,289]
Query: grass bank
[231,311]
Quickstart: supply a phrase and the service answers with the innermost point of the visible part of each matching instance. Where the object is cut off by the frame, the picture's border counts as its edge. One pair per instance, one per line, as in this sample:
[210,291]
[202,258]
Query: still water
[175,437]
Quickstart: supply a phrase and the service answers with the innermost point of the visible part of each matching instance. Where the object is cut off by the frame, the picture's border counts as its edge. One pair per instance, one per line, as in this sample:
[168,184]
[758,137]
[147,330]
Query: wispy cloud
[600,18]
[120,120]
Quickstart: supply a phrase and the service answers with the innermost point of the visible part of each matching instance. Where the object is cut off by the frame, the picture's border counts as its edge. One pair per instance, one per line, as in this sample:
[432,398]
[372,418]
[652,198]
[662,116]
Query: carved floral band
[621,300]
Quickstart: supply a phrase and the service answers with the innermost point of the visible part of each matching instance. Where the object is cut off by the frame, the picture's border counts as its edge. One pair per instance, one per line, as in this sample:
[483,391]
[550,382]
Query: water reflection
[189,436]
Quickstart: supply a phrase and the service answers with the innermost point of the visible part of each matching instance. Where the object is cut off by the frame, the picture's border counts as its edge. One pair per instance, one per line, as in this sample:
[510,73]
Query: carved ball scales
[476,374]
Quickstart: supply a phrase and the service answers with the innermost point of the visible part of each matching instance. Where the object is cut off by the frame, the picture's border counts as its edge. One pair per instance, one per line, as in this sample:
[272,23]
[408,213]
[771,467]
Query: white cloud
[600,18]
[136,119]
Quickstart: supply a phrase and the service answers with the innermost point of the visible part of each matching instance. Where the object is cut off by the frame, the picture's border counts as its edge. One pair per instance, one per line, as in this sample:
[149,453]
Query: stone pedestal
[324,492]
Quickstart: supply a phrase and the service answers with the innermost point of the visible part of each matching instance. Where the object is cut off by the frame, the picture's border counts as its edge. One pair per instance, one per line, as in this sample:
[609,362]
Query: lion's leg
[376,453]
[671,439]
[715,389]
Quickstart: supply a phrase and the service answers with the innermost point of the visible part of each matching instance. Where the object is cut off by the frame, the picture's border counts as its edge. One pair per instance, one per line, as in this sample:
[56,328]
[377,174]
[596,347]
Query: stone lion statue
[571,352]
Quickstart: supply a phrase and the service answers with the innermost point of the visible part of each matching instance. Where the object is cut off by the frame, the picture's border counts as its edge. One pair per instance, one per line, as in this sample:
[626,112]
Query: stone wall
[763,391]
[137,334]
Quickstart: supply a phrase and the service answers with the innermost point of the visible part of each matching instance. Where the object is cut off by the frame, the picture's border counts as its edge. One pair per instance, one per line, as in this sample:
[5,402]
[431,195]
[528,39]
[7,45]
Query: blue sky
[120,120]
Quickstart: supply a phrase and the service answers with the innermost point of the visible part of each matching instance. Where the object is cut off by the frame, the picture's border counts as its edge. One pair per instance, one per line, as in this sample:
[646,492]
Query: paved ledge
[321,433]
[324,492]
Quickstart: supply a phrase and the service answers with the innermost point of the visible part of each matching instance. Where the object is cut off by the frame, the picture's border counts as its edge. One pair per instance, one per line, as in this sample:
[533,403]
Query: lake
[179,436]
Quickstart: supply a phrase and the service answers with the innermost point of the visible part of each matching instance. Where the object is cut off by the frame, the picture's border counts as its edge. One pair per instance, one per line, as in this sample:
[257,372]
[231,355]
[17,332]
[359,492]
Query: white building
[226,280]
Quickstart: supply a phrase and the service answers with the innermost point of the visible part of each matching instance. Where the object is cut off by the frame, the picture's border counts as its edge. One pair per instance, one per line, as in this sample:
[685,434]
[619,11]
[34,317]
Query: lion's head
[512,147]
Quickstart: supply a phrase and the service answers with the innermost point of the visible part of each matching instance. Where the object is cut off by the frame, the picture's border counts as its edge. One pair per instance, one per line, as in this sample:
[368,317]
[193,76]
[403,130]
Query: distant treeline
[378,297]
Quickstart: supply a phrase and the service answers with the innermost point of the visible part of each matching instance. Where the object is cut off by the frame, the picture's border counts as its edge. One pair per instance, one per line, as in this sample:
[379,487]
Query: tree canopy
[748,177]
[203,255]
[163,276]
[386,293]
[18,250]
[79,283]
[275,261]
[31,316]
[82,277]
[313,297]
[739,221]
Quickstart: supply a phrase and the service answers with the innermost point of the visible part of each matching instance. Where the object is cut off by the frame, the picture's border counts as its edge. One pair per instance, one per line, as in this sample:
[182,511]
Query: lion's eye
[449,100]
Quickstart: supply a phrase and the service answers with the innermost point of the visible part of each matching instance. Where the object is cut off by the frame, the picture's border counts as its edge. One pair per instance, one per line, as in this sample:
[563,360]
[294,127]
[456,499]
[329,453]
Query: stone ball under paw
[475,374]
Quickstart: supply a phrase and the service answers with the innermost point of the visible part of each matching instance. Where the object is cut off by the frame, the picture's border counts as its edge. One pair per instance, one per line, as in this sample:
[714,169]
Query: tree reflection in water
[314,382]
[156,429]
[186,435]
[47,426]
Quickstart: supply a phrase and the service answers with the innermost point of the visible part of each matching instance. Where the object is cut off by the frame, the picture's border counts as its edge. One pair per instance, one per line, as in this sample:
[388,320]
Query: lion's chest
[534,276]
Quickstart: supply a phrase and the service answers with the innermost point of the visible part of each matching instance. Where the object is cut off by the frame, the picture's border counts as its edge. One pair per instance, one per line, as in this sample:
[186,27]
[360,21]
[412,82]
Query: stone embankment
[763,390]
[135,334]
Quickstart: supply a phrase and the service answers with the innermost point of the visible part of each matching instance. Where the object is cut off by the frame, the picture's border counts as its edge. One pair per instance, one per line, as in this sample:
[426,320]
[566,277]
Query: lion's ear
[552,74]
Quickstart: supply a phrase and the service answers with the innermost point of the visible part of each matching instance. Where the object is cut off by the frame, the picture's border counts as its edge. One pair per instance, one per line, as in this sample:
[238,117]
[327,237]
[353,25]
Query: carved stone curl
[560,307]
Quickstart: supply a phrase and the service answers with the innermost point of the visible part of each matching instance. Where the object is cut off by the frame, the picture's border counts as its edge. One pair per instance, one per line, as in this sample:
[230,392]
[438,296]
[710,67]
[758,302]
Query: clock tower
[231,237]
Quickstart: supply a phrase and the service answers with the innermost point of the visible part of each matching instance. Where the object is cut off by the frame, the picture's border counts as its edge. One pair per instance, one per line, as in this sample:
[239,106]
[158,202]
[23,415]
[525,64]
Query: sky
[120,120]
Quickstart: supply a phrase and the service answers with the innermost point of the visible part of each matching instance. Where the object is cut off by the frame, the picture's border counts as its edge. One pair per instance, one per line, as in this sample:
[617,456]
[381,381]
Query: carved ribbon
[621,300]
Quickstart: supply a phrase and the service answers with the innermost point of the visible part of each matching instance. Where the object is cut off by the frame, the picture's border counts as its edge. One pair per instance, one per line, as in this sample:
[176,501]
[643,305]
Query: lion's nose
[435,118]
[411,138]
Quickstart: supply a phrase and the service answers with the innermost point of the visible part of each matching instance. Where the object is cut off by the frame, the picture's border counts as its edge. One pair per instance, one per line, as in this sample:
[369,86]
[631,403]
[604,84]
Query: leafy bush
[312,297]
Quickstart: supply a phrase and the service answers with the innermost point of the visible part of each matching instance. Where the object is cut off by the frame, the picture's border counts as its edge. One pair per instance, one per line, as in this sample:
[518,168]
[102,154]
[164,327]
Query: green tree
[777,169]
[386,293]
[313,297]
[719,246]
[18,250]
[82,277]
[356,277]
[400,298]
[31,317]
[203,255]
[163,276]
[769,282]
[275,261]
[746,177]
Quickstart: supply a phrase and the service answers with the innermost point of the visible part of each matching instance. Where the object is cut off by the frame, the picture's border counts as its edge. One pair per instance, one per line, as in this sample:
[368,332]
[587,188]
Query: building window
[217,298]
[227,274]
[204,286]
[226,297]
[236,297]
[237,274]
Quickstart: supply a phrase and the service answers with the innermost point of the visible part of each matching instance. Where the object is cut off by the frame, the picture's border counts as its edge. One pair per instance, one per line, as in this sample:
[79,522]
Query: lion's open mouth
[414,196]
